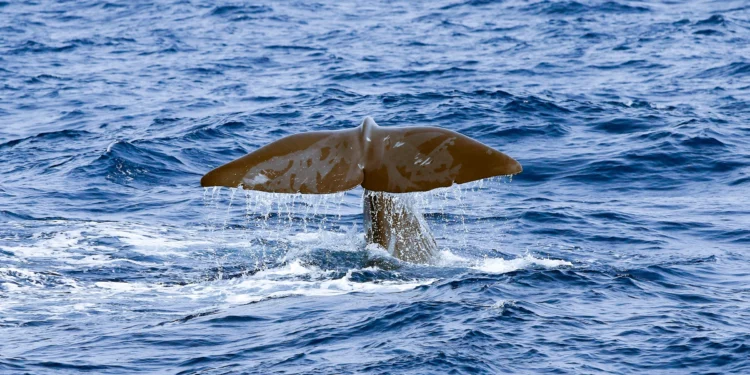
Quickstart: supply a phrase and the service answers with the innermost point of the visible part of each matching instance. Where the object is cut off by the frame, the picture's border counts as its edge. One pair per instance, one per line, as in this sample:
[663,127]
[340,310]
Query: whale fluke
[313,163]
[382,160]
[393,160]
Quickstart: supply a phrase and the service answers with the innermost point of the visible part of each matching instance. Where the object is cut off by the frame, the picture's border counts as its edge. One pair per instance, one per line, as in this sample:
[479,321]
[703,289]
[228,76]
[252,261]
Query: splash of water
[278,227]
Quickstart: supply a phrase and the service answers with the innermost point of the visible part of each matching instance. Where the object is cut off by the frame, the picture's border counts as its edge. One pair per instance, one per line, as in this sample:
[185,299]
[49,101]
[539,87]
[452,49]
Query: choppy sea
[623,247]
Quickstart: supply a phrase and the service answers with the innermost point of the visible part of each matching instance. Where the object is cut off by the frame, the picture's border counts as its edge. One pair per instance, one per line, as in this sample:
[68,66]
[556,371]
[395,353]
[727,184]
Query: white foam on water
[286,225]
[42,245]
[97,243]
[501,304]
[125,286]
[254,289]
[157,241]
[79,245]
[295,268]
[293,279]
[323,288]
[446,258]
[500,265]
[17,279]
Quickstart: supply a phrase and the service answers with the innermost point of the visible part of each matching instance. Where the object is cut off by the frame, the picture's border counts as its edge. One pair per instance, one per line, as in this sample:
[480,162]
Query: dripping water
[273,228]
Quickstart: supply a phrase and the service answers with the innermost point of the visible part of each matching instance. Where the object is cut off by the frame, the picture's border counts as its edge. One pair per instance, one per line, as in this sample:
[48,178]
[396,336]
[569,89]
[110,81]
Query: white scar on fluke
[382,161]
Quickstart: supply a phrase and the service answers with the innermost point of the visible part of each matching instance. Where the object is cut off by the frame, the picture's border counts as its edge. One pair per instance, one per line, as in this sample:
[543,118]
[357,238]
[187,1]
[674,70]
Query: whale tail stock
[393,160]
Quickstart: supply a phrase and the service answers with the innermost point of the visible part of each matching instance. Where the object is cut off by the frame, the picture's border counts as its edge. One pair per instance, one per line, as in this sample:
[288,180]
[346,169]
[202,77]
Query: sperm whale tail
[382,160]
[393,160]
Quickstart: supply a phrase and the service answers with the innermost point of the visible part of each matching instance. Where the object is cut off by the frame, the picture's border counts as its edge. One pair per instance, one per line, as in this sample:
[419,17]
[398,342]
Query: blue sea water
[621,249]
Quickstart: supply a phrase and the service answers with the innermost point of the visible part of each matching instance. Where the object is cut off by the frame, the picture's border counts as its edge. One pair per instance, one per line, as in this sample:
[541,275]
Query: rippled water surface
[621,249]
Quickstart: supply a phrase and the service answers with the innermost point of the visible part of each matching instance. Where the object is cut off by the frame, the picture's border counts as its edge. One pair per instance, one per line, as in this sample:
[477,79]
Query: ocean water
[623,247]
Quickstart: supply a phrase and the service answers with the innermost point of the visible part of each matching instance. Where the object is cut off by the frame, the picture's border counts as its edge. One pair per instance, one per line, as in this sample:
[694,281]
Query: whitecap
[500,265]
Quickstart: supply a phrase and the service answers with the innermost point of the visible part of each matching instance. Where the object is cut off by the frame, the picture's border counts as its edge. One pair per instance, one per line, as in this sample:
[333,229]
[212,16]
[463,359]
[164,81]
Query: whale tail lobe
[394,160]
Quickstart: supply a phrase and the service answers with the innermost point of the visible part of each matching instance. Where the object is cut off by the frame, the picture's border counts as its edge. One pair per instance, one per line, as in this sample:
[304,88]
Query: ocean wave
[733,69]
[66,135]
[239,10]
[715,20]
[127,163]
[400,74]
[574,8]
[621,248]
[31,46]
[535,105]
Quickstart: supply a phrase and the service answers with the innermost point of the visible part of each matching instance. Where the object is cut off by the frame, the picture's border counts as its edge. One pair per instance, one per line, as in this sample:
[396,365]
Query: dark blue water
[621,249]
